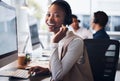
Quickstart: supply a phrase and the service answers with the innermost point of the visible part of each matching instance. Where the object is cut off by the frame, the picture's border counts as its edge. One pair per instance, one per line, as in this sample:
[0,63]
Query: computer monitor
[8,34]
[35,36]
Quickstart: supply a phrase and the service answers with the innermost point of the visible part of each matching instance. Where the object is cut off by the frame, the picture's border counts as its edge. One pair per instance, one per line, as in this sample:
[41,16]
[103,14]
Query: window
[85,8]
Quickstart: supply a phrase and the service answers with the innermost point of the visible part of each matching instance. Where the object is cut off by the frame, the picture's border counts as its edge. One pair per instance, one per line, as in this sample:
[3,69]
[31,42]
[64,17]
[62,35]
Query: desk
[13,65]
[33,78]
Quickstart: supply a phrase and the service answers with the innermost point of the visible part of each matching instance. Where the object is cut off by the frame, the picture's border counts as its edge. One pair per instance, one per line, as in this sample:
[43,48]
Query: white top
[60,68]
[84,33]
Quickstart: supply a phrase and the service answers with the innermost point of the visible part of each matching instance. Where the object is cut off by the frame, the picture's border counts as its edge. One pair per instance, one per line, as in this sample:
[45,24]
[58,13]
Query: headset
[68,18]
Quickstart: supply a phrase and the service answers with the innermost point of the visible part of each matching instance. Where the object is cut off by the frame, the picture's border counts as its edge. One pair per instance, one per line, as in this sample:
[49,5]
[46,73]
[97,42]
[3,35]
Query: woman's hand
[60,35]
[38,70]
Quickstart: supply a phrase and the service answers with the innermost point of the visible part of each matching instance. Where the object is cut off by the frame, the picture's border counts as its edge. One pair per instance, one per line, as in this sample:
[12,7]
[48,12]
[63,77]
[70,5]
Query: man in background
[98,24]
[80,31]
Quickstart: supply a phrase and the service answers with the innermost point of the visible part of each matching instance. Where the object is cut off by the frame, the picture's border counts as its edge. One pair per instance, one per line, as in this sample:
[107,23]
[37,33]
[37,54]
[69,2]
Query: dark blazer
[101,34]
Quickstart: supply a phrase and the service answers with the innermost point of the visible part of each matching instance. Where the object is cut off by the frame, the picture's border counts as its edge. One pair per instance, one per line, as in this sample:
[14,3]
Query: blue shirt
[101,34]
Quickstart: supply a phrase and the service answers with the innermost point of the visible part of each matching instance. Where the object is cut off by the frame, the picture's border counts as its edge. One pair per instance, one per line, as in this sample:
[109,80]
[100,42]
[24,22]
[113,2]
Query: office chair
[103,56]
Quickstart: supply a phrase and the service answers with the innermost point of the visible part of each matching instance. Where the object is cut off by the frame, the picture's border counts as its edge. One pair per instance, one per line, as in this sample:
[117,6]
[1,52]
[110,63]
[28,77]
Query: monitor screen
[35,37]
[8,38]
[8,32]
[34,34]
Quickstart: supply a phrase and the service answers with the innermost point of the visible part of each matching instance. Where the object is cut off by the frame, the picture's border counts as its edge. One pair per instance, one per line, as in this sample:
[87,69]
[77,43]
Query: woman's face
[55,18]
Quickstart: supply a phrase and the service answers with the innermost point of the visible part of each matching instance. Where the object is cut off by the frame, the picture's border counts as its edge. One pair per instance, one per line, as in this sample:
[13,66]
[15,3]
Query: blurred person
[67,60]
[80,31]
[98,24]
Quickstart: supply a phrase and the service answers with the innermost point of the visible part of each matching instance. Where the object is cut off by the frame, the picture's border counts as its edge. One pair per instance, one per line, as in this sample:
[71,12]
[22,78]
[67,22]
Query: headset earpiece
[68,20]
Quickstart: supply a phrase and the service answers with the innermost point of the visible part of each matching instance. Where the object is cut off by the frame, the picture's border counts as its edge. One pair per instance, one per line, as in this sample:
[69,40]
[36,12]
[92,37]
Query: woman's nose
[51,18]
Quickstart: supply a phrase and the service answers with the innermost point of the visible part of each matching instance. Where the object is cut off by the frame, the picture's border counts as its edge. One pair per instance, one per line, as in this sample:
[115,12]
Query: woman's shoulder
[74,38]
[77,39]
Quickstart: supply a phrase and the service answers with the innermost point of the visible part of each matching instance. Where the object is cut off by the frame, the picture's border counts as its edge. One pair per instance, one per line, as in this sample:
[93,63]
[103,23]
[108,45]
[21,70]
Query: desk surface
[13,65]
[34,78]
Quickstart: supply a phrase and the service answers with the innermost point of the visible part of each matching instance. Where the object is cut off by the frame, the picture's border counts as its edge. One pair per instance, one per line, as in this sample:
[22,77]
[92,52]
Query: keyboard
[19,73]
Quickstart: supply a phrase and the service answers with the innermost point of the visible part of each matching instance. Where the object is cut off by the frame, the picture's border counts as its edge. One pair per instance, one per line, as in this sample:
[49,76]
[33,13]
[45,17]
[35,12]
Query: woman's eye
[48,15]
[56,15]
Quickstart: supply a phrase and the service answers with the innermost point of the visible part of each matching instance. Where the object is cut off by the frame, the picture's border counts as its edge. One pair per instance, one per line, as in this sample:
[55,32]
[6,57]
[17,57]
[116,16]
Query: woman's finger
[31,70]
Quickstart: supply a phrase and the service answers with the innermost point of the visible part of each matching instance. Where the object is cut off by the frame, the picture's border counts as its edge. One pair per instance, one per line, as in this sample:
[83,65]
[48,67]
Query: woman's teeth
[51,23]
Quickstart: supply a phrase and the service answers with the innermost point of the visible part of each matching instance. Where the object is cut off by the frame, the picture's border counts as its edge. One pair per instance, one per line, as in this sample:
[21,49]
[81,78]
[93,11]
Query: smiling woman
[54,18]
[59,14]
[66,62]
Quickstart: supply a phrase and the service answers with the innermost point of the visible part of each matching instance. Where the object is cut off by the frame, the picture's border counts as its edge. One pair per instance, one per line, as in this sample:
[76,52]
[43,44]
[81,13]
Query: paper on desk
[39,63]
